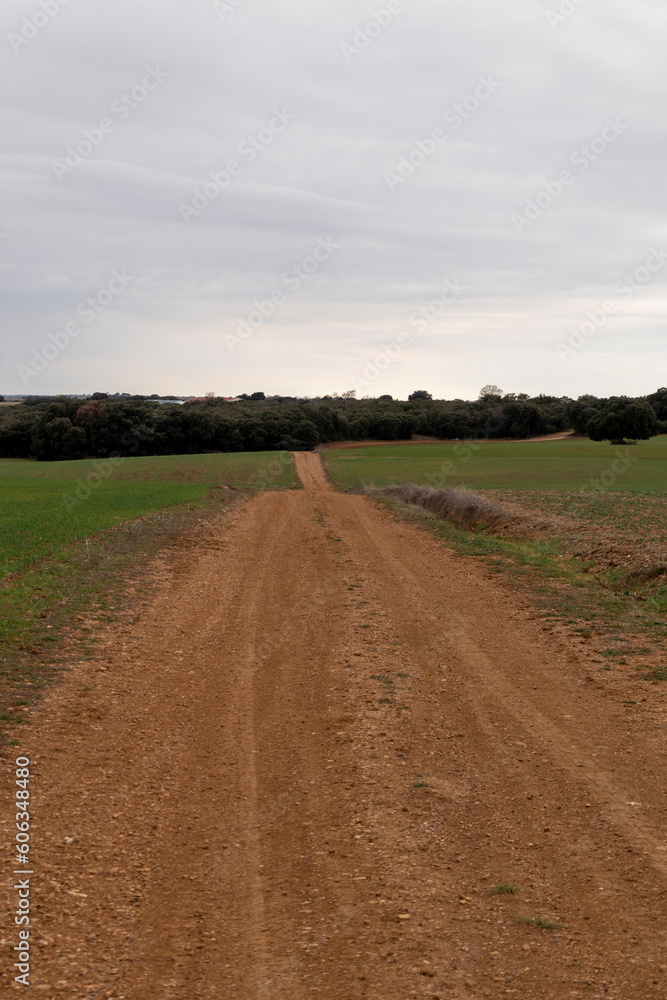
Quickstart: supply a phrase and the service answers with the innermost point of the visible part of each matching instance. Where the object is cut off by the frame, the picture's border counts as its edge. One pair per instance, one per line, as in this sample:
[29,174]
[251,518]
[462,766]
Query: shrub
[462,505]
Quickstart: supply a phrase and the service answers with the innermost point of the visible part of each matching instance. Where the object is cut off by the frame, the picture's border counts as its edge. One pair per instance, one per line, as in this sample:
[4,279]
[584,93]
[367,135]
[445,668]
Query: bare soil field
[326,757]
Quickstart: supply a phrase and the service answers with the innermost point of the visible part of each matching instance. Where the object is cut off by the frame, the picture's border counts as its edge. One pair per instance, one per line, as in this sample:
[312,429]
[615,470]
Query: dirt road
[306,767]
[559,436]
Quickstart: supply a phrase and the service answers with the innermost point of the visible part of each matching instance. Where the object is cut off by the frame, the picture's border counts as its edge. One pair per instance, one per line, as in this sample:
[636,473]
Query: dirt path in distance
[310,471]
[334,445]
[306,767]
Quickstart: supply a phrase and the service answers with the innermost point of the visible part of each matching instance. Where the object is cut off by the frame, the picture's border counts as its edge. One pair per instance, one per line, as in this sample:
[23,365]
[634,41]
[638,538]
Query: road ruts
[306,767]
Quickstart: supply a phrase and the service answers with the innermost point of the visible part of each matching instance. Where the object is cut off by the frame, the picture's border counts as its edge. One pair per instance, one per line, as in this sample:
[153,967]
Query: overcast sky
[411,194]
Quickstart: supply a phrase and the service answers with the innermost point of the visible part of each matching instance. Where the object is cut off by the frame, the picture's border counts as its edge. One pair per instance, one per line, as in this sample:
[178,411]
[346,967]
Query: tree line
[56,428]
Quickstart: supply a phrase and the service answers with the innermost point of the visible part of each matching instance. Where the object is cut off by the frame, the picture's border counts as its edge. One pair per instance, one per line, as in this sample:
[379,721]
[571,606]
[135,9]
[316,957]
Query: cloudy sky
[305,197]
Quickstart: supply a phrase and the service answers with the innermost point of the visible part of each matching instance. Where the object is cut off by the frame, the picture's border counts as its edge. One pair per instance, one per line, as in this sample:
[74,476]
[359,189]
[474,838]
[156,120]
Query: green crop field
[573,464]
[592,555]
[47,505]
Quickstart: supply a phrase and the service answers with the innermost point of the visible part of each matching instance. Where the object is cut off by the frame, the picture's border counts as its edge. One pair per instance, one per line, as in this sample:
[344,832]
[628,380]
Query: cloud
[226,73]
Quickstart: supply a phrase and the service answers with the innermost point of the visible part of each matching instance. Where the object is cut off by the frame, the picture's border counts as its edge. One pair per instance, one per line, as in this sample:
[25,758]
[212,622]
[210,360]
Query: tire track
[302,771]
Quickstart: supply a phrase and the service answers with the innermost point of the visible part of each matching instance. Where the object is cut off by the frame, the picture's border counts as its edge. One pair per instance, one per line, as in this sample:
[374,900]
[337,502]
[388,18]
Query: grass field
[595,563]
[44,506]
[544,465]
[61,571]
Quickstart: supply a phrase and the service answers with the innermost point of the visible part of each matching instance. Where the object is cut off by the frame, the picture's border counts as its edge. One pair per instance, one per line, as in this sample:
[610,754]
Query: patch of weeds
[403,675]
[659,674]
[545,925]
[9,719]
[506,889]
[62,588]
[386,701]
[552,570]
[420,784]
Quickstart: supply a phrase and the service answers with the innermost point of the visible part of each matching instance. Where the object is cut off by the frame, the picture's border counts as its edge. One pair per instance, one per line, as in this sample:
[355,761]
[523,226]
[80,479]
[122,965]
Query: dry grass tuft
[464,506]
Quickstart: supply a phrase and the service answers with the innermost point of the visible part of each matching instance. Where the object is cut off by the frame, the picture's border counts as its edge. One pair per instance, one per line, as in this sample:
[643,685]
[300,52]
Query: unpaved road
[306,766]
[558,436]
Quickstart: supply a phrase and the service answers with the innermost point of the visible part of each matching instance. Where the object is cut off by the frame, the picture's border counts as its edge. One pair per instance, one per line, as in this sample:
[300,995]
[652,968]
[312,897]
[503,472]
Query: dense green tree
[59,439]
[658,400]
[623,421]
[580,411]
[61,427]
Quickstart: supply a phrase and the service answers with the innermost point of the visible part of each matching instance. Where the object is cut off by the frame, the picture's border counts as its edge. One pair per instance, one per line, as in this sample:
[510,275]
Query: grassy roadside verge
[75,543]
[50,611]
[616,609]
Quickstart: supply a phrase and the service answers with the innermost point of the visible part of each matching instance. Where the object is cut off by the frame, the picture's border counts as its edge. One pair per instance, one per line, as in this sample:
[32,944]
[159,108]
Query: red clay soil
[305,768]
[560,436]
